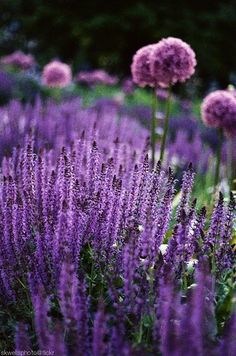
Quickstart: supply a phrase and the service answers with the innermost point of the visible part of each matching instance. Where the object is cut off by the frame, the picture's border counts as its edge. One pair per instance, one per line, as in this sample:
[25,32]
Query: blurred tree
[105,34]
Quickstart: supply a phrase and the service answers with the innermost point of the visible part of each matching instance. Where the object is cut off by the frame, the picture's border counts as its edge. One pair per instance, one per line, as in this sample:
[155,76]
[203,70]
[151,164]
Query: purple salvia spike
[186,189]
[22,342]
[224,251]
[41,320]
[73,304]
[99,332]
[162,219]
[215,229]
[57,345]
[202,319]
[165,329]
[228,344]
[196,236]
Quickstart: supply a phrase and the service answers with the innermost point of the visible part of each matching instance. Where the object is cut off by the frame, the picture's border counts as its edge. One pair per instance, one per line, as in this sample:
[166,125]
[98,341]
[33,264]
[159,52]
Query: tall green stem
[166,124]
[153,127]
[231,164]
[218,159]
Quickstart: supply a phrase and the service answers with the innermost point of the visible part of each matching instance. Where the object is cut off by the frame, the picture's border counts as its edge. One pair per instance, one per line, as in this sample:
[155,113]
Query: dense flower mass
[19,59]
[56,74]
[219,110]
[140,67]
[68,119]
[92,250]
[86,210]
[171,61]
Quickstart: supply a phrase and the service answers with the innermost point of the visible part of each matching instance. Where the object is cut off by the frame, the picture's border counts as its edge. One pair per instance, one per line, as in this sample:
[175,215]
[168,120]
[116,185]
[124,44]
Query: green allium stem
[166,124]
[231,164]
[153,127]
[218,159]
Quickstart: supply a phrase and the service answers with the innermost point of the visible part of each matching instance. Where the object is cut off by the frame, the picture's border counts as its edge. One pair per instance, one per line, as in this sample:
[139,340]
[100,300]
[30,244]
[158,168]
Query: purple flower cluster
[172,61]
[140,68]
[55,125]
[95,77]
[19,60]
[83,229]
[219,110]
[163,64]
[56,74]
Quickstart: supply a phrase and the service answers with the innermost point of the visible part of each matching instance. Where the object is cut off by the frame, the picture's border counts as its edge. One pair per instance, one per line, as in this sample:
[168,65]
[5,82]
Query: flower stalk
[153,127]
[166,125]
[218,159]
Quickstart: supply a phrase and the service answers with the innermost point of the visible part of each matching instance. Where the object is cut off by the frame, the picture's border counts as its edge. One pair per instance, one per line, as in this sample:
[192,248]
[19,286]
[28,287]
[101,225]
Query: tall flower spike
[73,304]
[187,184]
[215,231]
[99,332]
[228,345]
[41,320]
[22,342]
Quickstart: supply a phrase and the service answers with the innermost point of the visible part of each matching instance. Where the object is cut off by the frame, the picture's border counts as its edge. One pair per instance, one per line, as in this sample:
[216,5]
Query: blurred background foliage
[105,34]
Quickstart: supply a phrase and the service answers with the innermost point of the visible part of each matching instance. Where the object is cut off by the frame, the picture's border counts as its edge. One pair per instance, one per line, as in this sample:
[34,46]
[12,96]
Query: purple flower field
[106,245]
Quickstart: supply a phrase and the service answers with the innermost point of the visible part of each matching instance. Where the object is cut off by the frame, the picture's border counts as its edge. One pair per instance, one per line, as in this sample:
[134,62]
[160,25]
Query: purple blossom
[83,219]
[99,333]
[56,74]
[19,59]
[140,67]
[22,342]
[171,61]
[219,110]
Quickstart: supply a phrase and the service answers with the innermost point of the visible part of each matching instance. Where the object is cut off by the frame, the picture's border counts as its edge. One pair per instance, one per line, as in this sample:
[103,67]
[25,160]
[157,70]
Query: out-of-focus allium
[19,60]
[56,74]
[186,105]
[219,110]
[140,67]
[162,94]
[171,61]
[94,77]
[128,86]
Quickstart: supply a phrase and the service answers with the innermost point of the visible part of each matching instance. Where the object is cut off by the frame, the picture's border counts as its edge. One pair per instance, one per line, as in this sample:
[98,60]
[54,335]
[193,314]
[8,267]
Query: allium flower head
[171,61]
[56,74]
[219,110]
[19,59]
[140,67]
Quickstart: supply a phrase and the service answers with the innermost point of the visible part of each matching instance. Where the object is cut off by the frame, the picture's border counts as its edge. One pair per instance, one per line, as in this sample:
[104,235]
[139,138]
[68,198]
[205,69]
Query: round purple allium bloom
[171,61]
[19,59]
[219,110]
[140,67]
[56,74]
